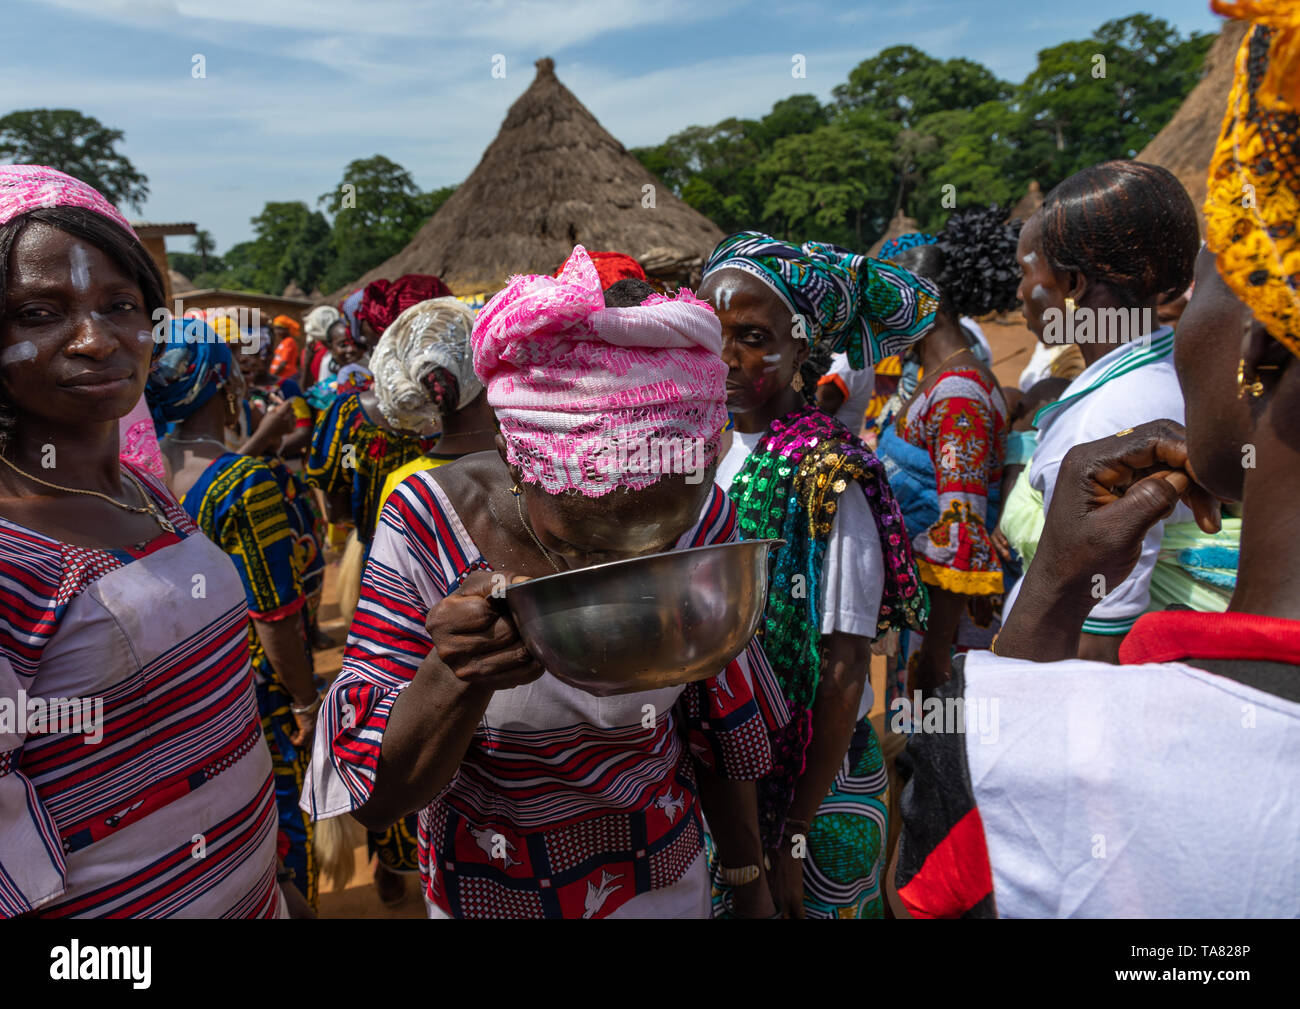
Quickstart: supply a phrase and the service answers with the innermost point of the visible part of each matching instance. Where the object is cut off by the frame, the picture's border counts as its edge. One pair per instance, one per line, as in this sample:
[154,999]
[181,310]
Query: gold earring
[516,490]
[796,383]
[1069,305]
[1255,388]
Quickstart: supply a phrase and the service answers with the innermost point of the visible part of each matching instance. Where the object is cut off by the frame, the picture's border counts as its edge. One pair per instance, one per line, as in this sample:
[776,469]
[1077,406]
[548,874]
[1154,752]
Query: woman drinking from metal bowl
[537,799]
[133,777]
[846,573]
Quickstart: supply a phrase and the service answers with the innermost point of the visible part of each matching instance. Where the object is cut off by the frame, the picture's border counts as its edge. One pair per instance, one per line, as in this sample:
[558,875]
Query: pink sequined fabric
[30,187]
[591,398]
[137,443]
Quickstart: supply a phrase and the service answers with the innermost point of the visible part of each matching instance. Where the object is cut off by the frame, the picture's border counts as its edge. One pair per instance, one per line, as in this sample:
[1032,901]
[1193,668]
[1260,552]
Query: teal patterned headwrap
[870,309]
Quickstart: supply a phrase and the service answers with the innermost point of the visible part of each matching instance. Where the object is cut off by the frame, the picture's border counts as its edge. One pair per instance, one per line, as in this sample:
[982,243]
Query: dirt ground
[1012,345]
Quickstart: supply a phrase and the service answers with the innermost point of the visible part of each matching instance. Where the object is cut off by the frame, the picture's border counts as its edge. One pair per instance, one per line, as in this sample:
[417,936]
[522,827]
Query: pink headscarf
[591,398]
[30,187]
[24,188]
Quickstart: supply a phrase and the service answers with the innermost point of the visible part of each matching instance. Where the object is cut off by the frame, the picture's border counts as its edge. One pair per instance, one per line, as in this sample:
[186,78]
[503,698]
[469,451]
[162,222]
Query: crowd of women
[1114,589]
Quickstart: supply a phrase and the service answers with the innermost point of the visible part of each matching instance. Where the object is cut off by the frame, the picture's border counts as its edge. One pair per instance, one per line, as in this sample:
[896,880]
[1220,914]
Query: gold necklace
[927,384]
[939,367]
[519,502]
[149,508]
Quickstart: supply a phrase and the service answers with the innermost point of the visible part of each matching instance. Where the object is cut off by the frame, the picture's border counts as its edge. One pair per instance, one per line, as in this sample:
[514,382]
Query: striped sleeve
[33,869]
[32,866]
[729,717]
[387,642]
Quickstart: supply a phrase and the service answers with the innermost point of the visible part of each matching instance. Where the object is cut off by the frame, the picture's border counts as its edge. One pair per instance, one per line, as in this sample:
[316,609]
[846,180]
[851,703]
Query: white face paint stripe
[80,268]
[25,351]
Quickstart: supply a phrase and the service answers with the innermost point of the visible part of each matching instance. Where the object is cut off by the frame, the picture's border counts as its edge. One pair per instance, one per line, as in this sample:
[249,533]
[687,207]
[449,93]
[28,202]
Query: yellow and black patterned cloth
[240,503]
[351,454]
[1252,208]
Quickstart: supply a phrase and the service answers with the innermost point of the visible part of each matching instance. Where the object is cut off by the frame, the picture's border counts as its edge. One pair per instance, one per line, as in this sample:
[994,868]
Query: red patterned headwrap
[612,267]
[385,300]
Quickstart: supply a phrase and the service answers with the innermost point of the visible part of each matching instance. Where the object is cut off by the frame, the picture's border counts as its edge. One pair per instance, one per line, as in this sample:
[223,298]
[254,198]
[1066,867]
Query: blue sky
[295,89]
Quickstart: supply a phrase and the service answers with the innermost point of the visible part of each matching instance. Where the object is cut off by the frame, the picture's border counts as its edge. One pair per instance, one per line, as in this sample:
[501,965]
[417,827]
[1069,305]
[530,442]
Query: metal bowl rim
[608,565]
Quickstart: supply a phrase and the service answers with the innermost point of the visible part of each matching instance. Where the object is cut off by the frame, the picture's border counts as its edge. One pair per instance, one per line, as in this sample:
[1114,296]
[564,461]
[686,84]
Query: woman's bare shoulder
[472,480]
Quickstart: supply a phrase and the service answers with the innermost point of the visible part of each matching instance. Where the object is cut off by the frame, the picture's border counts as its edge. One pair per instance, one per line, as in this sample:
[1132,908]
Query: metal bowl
[646,623]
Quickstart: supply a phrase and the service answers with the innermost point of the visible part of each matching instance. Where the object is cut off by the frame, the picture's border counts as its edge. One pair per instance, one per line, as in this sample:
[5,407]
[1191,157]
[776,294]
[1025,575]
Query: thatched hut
[1028,204]
[551,179]
[899,226]
[1186,143]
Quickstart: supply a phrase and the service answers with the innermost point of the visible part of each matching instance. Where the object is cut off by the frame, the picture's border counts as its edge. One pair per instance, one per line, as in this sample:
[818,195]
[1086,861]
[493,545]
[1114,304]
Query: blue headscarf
[902,243]
[194,364]
[350,305]
[867,308]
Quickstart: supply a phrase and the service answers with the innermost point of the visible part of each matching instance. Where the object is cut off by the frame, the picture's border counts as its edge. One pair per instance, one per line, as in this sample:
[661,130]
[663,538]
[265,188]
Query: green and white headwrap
[870,309]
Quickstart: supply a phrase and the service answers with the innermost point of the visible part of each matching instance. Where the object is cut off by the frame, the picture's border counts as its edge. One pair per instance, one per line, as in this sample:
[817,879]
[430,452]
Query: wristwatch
[743,876]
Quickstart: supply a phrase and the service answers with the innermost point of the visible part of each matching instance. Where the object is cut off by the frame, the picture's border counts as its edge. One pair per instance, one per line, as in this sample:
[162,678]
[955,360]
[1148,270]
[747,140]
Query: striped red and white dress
[565,804]
[165,807]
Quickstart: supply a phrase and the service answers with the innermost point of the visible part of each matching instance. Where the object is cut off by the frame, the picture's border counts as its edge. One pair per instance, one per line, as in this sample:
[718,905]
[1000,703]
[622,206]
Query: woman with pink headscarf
[151,731]
[537,799]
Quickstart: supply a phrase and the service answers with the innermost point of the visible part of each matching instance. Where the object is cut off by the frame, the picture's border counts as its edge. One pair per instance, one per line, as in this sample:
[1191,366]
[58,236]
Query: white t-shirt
[853,571]
[1133,791]
[861,387]
[1130,385]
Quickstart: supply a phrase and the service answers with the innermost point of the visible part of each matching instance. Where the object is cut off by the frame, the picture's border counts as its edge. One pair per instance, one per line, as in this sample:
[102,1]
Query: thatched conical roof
[1028,204]
[1186,143]
[553,178]
[900,225]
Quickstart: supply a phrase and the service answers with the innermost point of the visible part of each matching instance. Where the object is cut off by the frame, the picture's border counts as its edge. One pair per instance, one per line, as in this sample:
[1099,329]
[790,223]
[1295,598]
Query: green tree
[904,84]
[377,208]
[77,144]
[191,265]
[789,117]
[239,271]
[204,246]
[906,125]
[292,243]
[831,184]
[974,151]
[1106,96]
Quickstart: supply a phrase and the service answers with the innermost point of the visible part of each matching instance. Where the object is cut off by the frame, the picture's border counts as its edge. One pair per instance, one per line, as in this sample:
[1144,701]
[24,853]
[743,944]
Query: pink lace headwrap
[30,187]
[591,398]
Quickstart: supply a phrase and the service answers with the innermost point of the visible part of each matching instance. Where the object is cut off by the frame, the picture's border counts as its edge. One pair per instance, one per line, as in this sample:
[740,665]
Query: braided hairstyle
[973,260]
[979,273]
[1126,224]
[119,245]
[443,391]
